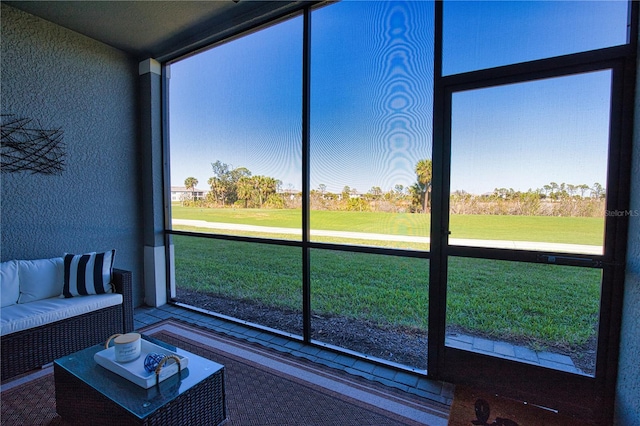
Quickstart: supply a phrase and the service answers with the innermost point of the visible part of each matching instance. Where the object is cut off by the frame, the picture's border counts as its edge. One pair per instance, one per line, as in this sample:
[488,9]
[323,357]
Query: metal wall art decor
[28,147]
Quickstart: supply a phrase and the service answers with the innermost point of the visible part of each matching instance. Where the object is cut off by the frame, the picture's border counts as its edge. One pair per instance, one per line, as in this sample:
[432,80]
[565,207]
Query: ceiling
[158,29]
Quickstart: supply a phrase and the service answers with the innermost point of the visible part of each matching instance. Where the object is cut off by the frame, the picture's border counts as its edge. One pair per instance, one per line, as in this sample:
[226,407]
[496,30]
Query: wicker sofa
[40,326]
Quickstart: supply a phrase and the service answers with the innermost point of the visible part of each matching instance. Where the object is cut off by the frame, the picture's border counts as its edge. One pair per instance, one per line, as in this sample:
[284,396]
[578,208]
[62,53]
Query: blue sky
[535,133]
[371,96]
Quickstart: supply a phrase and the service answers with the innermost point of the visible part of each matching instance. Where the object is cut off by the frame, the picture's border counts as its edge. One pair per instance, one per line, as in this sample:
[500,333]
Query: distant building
[290,193]
[181,193]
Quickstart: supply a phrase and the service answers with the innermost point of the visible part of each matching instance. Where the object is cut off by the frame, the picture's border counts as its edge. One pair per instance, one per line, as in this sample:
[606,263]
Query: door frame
[584,396]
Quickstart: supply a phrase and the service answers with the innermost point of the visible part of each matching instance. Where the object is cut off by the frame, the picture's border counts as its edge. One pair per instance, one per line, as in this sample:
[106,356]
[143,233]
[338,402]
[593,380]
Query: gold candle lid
[126,338]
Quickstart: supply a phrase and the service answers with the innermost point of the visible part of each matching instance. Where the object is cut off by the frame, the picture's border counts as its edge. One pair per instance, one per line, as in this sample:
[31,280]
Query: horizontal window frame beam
[559,66]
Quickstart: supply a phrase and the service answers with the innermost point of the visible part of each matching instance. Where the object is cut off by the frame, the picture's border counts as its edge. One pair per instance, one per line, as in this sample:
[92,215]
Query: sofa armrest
[124,285]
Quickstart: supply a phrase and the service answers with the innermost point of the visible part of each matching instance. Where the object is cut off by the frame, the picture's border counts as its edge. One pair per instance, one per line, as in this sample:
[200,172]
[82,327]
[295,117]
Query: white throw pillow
[9,283]
[88,273]
[40,279]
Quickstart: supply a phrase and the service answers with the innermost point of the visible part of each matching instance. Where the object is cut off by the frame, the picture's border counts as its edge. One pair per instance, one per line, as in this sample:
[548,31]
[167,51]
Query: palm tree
[190,184]
[424,171]
[264,186]
[554,190]
[583,189]
[597,191]
[244,189]
[232,179]
[346,191]
[218,188]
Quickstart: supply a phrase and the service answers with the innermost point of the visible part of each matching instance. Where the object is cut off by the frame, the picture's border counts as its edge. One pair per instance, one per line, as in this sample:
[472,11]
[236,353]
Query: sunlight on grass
[541,304]
[550,229]
[387,290]
[568,230]
[265,273]
[554,304]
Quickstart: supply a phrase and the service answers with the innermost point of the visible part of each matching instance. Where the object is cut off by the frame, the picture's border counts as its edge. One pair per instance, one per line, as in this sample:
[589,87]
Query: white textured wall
[628,386]
[63,79]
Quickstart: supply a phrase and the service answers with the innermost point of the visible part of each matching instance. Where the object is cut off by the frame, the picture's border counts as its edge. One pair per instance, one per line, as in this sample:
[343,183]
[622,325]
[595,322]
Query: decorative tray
[135,371]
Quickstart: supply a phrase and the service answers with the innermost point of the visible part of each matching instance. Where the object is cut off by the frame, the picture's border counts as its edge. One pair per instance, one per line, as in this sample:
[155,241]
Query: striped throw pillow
[89,273]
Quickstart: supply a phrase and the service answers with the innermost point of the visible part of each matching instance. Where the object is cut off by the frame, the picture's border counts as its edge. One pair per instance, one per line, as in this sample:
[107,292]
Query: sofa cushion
[9,283]
[89,273]
[39,279]
[22,317]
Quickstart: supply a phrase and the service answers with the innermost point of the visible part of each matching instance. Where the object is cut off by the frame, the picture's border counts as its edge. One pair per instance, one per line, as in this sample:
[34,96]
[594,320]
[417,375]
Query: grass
[570,230]
[262,217]
[547,305]
[271,274]
[550,229]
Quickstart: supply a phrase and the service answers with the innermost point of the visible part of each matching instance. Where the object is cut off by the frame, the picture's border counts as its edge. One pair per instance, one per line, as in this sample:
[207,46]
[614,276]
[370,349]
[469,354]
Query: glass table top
[137,400]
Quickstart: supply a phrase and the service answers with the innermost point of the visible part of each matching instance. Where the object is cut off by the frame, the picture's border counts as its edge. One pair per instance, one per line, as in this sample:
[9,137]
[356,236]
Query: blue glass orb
[152,361]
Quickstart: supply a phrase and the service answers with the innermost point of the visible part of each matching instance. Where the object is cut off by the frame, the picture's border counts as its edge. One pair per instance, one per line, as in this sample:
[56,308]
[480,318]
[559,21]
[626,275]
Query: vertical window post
[152,166]
[438,263]
[306,103]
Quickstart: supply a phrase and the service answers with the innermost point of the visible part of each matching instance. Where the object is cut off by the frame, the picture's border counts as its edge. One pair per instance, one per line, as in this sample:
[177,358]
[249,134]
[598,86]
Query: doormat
[473,407]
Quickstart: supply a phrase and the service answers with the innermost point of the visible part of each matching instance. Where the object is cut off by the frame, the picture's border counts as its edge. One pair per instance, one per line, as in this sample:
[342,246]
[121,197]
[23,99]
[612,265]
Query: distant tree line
[550,200]
[238,187]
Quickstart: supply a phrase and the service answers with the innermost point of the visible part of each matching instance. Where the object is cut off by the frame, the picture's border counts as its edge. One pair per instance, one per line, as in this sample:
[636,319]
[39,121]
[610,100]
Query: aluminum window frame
[577,393]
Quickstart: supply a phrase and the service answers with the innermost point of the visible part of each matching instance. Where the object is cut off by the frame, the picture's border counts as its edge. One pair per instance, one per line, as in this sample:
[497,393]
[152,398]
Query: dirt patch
[399,345]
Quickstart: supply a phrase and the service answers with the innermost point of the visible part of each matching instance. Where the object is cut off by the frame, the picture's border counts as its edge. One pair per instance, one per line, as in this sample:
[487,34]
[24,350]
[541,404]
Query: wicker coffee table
[87,393]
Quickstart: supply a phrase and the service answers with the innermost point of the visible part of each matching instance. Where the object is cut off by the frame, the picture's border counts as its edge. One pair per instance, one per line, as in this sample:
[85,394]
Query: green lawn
[262,217]
[547,305]
[543,304]
[570,230]
[551,229]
